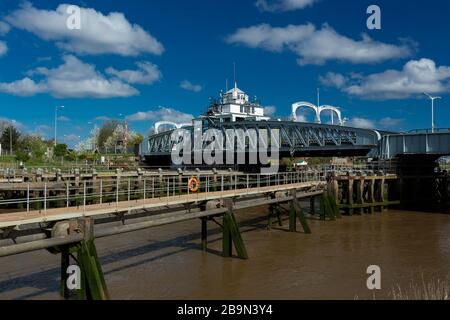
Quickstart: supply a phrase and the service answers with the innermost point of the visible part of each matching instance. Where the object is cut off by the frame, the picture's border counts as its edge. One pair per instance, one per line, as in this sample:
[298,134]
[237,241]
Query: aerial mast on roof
[234,71]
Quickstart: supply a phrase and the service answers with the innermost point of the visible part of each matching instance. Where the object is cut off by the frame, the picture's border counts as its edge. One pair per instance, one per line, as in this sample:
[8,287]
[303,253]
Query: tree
[60,150]
[37,147]
[72,156]
[106,131]
[137,138]
[10,137]
[22,156]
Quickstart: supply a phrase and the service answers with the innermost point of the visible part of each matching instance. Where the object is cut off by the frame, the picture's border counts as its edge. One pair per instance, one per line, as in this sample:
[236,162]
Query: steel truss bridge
[295,139]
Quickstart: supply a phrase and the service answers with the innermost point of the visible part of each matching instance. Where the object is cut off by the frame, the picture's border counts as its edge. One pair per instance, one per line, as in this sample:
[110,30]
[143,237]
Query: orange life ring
[193,184]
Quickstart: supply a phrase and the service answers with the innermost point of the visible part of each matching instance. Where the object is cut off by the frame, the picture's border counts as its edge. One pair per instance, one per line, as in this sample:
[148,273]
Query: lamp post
[432,109]
[56,121]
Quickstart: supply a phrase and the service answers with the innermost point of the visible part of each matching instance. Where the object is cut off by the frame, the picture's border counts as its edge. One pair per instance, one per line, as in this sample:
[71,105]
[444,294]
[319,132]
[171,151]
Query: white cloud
[99,33]
[72,138]
[102,118]
[361,123]
[24,88]
[5,122]
[317,46]
[72,79]
[162,114]
[332,79]
[390,123]
[63,119]
[147,73]
[387,123]
[3,48]
[416,77]
[187,85]
[4,28]
[283,5]
[270,111]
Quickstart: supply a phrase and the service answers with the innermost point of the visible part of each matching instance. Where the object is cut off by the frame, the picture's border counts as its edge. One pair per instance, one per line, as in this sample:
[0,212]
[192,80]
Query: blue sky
[162,60]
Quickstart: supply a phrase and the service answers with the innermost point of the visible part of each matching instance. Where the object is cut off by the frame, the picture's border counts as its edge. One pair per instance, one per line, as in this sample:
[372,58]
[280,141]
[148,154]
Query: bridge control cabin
[235,106]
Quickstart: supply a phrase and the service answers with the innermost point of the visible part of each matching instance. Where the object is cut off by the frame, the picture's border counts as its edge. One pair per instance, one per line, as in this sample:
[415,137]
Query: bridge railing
[436,130]
[27,197]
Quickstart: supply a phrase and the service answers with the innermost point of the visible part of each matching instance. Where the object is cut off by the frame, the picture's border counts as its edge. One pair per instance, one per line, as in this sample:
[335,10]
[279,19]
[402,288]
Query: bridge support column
[328,207]
[296,211]
[359,194]
[380,193]
[370,195]
[231,234]
[93,285]
[274,210]
[204,234]
[312,205]
[350,195]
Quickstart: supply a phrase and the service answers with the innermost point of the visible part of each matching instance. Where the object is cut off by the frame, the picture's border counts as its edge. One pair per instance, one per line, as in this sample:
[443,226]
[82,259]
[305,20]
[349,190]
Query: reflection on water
[331,263]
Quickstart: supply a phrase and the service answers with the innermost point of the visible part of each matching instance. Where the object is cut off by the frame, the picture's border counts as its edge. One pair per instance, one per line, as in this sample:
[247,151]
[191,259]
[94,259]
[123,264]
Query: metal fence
[45,195]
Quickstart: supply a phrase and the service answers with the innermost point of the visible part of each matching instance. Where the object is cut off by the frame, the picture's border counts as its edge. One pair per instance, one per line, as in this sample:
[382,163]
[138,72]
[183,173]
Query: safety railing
[46,195]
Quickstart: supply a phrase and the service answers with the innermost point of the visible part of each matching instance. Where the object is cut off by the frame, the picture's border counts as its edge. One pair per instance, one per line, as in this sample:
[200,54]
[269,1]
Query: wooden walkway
[57,214]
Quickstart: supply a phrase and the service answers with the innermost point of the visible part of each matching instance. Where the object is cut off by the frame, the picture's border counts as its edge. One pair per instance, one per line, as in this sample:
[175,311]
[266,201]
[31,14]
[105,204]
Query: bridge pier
[92,281]
[231,234]
[360,194]
[204,233]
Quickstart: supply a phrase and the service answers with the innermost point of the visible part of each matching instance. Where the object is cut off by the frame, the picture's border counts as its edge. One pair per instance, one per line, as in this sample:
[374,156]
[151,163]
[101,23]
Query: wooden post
[227,249]
[269,218]
[292,217]
[231,234]
[350,195]
[359,194]
[204,233]
[93,282]
[295,212]
[312,205]
[371,198]
[65,262]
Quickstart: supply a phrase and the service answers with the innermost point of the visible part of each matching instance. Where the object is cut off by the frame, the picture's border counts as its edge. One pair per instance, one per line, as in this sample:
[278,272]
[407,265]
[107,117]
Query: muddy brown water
[167,263]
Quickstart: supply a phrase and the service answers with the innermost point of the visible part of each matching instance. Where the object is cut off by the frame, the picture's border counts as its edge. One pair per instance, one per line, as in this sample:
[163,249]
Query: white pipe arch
[317,109]
[304,104]
[169,123]
[164,123]
[332,109]
[182,125]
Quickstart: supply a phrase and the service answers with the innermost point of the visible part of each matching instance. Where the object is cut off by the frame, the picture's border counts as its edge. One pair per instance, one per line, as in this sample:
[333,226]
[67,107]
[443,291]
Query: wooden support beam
[278,213]
[232,235]
[359,194]
[269,217]
[65,263]
[350,196]
[312,205]
[301,216]
[93,286]
[204,233]
[328,209]
[295,212]
[292,217]
[371,195]
[334,206]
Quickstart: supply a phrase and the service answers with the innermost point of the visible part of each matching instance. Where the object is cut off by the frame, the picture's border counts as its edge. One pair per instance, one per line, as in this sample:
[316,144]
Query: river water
[167,263]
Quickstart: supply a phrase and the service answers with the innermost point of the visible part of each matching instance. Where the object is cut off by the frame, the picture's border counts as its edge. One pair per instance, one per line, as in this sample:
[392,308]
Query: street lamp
[432,109]
[56,121]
